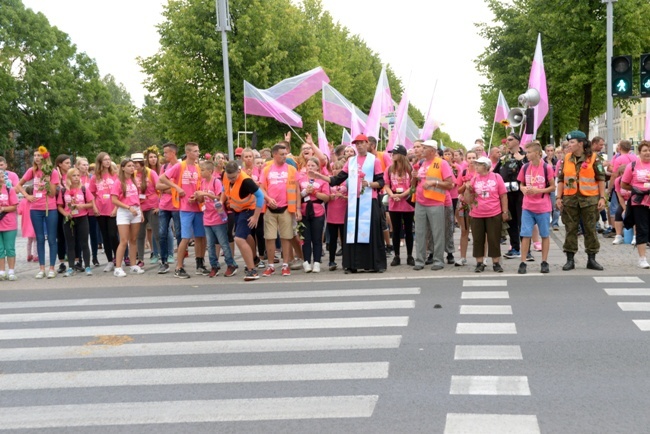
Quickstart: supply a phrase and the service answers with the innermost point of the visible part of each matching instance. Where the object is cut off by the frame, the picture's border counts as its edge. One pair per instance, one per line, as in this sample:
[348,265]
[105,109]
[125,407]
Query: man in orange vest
[580,193]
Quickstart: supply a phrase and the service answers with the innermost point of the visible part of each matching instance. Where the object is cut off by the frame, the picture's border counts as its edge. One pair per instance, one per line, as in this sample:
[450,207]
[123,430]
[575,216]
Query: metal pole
[610,98]
[223,25]
[550,112]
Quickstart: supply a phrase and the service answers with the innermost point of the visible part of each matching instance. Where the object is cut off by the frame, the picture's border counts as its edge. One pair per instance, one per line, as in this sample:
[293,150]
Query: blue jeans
[164,217]
[555,214]
[39,220]
[313,238]
[219,234]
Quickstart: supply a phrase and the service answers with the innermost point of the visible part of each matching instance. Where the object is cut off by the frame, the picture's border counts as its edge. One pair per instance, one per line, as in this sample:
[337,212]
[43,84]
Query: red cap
[360,138]
[239,151]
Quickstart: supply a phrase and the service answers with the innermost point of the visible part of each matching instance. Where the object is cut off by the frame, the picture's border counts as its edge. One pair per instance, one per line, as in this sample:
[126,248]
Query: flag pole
[491,135]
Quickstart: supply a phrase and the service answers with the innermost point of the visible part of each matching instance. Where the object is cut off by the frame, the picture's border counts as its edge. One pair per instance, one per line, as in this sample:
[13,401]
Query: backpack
[545,169]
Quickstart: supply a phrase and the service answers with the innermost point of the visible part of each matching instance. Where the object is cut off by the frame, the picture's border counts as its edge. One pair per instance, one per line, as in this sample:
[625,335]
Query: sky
[428,44]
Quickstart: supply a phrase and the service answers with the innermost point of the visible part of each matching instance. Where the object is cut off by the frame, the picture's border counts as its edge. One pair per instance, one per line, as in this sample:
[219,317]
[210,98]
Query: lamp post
[223,26]
[610,98]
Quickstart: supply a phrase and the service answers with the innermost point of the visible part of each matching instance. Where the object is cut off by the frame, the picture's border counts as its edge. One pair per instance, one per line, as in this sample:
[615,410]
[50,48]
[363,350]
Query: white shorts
[125,217]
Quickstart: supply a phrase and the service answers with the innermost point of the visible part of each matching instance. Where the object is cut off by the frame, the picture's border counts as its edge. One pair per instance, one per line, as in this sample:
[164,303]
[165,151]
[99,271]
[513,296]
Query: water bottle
[220,211]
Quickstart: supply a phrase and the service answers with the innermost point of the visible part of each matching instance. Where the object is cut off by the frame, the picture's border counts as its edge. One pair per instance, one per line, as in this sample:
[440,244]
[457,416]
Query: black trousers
[515,202]
[108,228]
[77,234]
[399,218]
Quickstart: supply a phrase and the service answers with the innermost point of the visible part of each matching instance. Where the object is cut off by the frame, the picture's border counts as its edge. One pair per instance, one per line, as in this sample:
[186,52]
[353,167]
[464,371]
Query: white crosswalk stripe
[629,306]
[68,347]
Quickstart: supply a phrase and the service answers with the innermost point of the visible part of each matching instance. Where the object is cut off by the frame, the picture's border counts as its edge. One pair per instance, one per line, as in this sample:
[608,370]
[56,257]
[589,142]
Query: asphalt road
[501,353]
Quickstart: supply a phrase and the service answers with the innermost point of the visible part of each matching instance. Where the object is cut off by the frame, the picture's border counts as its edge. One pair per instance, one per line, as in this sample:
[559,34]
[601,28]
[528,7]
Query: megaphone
[530,98]
[516,116]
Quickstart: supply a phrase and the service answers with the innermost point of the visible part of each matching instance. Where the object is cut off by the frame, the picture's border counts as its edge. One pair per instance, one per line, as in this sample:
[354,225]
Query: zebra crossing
[489,304]
[190,358]
[638,307]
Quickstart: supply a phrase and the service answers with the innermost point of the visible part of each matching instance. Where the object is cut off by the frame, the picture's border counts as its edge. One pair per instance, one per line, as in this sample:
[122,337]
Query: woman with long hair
[397,181]
[315,193]
[126,198]
[465,203]
[636,179]
[309,150]
[43,208]
[100,186]
[146,180]
[62,165]
[81,164]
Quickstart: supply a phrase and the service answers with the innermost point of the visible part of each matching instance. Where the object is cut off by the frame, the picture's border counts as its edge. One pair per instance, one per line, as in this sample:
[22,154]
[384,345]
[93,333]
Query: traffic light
[645,75]
[622,76]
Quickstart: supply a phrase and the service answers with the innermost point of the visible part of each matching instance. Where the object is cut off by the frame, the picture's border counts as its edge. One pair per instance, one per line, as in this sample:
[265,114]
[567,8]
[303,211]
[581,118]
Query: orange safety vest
[292,189]
[434,173]
[175,197]
[232,192]
[586,183]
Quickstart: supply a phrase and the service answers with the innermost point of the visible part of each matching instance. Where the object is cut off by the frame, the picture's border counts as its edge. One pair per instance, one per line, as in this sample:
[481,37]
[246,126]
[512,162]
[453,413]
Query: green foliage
[573,44]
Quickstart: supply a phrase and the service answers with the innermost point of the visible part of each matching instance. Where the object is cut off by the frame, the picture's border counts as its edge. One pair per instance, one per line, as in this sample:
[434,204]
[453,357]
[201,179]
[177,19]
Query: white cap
[430,143]
[484,160]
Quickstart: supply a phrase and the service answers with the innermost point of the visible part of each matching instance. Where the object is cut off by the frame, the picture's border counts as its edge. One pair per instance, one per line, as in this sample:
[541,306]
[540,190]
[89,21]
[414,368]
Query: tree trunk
[586,109]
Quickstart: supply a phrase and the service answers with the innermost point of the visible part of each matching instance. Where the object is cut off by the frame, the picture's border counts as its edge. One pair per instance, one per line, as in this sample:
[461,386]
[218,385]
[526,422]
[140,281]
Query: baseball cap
[484,160]
[360,138]
[239,151]
[398,149]
[430,143]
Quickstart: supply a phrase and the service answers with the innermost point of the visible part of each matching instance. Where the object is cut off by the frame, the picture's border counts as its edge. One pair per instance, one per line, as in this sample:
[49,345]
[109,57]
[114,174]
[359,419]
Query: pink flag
[537,80]
[502,110]
[337,109]
[646,134]
[382,104]
[322,141]
[293,91]
[356,126]
[398,135]
[258,102]
[430,124]
[346,139]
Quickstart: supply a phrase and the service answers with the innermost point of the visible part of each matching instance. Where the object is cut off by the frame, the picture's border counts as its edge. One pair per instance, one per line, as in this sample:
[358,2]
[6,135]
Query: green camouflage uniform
[577,206]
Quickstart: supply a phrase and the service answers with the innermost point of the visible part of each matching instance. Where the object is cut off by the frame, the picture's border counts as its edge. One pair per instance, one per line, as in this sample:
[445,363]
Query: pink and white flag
[258,102]
[322,141]
[293,91]
[502,110]
[337,109]
[382,104]
[346,139]
[430,124]
[356,126]
[646,134]
[537,80]
[398,135]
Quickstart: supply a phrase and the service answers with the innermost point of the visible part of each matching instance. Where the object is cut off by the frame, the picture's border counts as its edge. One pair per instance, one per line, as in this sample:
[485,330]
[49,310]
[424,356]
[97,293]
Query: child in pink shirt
[336,213]
[26,228]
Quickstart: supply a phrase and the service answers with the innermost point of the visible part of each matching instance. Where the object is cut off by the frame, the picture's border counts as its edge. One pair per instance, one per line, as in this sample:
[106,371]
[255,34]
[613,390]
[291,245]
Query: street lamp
[223,26]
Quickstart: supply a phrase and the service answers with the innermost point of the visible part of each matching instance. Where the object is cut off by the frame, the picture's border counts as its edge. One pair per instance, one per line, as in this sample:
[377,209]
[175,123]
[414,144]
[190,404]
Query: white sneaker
[306,266]
[40,275]
[634,240]
[643,263]
[12,277]
[119,272]
[137,270]
[316,267]
[618,239]
[109,267]
[460,262]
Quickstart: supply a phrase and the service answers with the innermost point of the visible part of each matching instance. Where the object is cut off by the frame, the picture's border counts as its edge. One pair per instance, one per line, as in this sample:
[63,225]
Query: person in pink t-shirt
[146,180]
[8,228]
[26,228]
[74,201]
[315,193]
[637,179]
[336,212]
[101,185]
[537,182]
[464,205]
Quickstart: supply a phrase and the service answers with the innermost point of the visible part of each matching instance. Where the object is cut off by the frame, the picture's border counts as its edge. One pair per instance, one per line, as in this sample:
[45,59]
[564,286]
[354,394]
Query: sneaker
[181,273]
[62,268]
[556,228]
[154,259]
[450,259]
[296,264]
[522,268]
[339,252]
[389,250]
[79,267]
[332,266]
[537,246]
[136,269]
[316,268]
[232,270]
[29,258]
[95,262]
[633,241]
[307,267]
[286,271]
[3,276]
[261,264]
[530,257]
[35,259]
[214,271]
[12,278]
[497,268]
[544,269]
[127,262]
[512,253]
[643,263]
[429,260]
[618,240]
[395,262]
[201,271]
[51,274]
[480,267]
[109,267]
[460,262]
[250,274]
[89,271]
[40,275]
[140,264]
[163,269]
[118,272]
[70,272]
[503,240]
[269,272]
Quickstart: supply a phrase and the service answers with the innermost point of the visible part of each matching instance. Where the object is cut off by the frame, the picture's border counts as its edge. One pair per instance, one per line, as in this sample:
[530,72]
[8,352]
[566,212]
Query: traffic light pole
[610,98]
[223,25]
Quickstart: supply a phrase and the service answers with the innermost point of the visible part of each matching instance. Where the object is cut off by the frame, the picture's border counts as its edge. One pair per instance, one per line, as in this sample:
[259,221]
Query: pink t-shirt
[85,181]
[337,207]
[275,182]
[489,189]
[39,203]
[360,161]
[165,202]
[625,194]
[190,182]
[398,184]
[8,197]
[210,214]
[464,176]
[639,179]
[535,177]
[26,228]
[319,187]
[254,173]
[422,175]
[149,199]
[101,190]
[622,159]
[76,196]
[13,178]
[132,196]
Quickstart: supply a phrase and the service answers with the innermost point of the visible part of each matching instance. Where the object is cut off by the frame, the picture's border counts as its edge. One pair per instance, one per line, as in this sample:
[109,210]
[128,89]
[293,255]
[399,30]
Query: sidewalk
[617,260]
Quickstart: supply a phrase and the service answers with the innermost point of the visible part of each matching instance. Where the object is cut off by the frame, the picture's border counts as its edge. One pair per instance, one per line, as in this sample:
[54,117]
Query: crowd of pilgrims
[77,209]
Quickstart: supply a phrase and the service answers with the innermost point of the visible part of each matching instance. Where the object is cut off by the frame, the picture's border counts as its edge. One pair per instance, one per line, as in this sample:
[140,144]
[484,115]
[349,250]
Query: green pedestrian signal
[622,76]
[644,74]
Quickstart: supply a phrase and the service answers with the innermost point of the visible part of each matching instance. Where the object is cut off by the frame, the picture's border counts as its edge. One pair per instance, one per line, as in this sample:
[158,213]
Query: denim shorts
[241,224]
[529,219]
[192,223]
